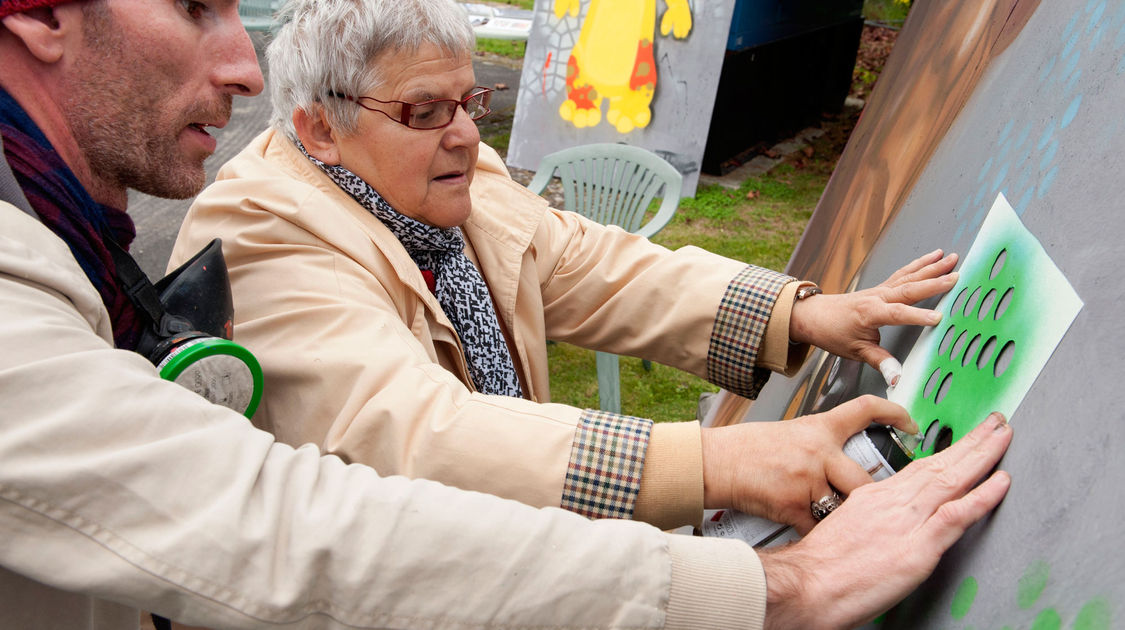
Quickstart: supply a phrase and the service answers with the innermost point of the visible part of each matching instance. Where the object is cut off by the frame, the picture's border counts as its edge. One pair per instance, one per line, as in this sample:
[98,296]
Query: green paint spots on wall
[963,598]
[1095,615]
[1032,583]
[1047,620]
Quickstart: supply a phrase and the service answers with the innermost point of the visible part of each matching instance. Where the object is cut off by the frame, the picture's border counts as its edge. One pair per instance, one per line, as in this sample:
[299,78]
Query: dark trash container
[787,63]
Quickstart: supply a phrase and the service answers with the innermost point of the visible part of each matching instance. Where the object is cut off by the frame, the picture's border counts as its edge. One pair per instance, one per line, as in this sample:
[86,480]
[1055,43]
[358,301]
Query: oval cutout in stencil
[986,352]
[958,345]
[971,351]
[946,341]
[959,303]
[972,303]
[943,390]
[1005,301]
[944,440]
[931,435]
[986,304]
[999,264]
[931,384]
[1004,359]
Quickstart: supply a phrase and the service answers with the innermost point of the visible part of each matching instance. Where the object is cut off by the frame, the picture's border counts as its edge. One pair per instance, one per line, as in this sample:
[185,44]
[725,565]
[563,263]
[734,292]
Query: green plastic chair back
[613,184]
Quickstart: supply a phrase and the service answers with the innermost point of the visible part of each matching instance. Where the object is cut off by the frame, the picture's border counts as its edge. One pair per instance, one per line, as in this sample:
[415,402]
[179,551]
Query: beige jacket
[360,359]
[119,490]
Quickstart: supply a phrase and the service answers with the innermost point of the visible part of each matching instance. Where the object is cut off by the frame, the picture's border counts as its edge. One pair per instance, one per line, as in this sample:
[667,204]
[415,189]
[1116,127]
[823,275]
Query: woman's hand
[847,324]
[775,469]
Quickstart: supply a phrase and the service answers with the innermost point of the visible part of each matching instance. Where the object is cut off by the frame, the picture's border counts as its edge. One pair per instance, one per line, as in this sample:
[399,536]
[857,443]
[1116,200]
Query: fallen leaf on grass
[753,194]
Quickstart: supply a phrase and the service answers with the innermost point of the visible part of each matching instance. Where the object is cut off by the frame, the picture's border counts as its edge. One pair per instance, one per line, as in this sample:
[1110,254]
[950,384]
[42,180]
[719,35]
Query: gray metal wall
[1045,125]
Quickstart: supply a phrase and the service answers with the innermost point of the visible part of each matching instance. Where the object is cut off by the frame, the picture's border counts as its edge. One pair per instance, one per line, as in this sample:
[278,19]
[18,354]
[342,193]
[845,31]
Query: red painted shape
[644,68]
[582,96]
[546,67]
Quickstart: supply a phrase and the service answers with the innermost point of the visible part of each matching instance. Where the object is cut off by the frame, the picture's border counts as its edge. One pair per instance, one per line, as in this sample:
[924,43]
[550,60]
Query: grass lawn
[759,223]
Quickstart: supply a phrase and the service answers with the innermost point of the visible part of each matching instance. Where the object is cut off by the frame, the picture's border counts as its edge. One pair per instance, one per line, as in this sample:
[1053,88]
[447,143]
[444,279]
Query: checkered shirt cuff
[606,461]
[739,327]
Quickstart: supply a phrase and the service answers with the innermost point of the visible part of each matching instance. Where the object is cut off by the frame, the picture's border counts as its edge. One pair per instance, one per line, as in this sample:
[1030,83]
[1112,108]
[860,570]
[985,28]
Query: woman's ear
[315,132]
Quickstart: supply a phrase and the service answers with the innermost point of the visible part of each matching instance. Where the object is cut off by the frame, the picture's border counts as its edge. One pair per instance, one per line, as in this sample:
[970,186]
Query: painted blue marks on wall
[1031,149]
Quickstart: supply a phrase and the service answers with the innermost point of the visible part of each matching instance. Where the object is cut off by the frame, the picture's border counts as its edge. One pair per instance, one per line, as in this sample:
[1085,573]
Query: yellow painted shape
[607,48]
[562,7]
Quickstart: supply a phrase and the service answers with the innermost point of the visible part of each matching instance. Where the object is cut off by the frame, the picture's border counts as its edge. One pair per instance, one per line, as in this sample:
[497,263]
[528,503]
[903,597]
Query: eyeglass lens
[440,113]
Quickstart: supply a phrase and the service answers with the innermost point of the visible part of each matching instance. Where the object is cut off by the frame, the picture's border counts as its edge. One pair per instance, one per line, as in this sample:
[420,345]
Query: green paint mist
[964,597]
[1032,583]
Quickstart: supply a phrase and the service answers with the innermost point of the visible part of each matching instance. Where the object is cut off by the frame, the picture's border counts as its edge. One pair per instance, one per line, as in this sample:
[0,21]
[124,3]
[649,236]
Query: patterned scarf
[65,207]
[458,285]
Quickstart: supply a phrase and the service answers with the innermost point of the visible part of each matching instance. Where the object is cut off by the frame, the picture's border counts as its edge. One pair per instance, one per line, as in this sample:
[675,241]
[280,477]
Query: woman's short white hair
[328,45]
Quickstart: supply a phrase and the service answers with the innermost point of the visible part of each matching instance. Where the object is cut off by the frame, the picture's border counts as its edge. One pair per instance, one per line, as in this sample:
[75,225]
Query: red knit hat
[8,7]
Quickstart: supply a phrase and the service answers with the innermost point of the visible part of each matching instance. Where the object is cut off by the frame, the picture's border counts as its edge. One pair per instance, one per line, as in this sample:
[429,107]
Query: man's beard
[125,145]
[119,117]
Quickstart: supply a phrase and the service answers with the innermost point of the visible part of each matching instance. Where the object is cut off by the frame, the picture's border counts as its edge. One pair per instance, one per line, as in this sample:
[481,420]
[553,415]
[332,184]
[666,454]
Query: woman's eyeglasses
[433,114]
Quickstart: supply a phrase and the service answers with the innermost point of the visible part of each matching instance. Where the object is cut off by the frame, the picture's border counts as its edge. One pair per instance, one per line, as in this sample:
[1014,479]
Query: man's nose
[238,72]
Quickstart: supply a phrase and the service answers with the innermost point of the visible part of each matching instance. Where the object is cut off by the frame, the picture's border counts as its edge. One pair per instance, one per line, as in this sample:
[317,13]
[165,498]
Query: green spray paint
[1047,620]
[964,597]
[1095,615]
[1032,583]
[1000,324]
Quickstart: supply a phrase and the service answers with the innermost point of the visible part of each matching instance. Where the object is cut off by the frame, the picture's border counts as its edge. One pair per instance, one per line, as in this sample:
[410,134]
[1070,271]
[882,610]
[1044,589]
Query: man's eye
[194,9]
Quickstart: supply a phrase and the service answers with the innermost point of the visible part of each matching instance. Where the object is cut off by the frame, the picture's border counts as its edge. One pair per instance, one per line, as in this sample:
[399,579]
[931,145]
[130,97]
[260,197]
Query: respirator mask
[188,337]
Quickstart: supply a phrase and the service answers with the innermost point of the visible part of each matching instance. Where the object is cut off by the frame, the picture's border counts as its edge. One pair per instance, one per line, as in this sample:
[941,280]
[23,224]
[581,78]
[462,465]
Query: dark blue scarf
[65,207]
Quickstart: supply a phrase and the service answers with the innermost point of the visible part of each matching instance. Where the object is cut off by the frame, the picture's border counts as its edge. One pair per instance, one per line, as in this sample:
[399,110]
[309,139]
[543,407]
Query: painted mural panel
[641,72]
[1041,124]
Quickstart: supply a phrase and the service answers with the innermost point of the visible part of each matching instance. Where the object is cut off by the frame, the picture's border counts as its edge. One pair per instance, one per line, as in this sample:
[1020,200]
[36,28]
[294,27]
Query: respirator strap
[142,293]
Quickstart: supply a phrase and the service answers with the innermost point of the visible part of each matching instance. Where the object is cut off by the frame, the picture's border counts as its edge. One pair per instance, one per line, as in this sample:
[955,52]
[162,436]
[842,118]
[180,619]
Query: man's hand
[887,537]
[775,469]
[847,324]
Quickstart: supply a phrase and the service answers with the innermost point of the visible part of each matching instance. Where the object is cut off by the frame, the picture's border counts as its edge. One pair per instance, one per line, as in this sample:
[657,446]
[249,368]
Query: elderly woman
[398,287]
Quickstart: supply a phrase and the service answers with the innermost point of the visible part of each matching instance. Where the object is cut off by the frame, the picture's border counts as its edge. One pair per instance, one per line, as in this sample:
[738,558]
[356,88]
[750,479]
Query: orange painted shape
[644,68]
[583,97]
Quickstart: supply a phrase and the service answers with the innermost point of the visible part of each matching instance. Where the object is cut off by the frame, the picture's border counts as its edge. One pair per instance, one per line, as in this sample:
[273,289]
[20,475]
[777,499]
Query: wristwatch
[807,291]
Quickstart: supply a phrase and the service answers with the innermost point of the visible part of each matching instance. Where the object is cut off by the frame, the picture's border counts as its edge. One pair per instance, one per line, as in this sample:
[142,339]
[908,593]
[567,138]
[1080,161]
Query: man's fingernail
[998,421]
[953,276]
[891,370]
[915,429]
[935,318]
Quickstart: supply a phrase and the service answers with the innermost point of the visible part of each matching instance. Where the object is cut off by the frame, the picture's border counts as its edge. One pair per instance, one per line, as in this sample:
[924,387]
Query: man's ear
[45,31]
[315,133]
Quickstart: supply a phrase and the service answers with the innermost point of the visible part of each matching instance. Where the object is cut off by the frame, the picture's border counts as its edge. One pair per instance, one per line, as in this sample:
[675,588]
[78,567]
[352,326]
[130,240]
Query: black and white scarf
[459,287]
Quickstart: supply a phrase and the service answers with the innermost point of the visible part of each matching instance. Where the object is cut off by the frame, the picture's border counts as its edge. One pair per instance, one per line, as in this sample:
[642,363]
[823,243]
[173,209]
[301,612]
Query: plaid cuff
[739,327]
[606,461]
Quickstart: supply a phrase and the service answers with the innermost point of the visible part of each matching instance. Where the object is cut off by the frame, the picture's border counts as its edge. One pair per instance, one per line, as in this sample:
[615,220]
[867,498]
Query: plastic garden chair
[613,184]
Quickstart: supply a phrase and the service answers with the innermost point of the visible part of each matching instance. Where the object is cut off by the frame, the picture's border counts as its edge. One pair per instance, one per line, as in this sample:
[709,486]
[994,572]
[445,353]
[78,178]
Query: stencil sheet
[1000,324]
